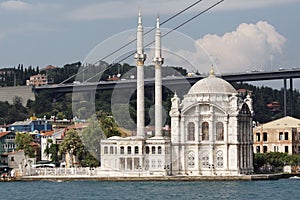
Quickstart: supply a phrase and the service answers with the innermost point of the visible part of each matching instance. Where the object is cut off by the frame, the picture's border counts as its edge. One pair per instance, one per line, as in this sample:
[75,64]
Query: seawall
[153,178]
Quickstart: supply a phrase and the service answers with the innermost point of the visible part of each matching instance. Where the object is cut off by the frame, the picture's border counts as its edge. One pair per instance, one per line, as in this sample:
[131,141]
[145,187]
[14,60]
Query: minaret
[140,59]
[158,61]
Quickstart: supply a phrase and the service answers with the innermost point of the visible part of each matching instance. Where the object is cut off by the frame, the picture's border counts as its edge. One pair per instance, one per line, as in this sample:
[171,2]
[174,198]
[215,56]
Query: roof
[47,133]
[21,123]
[285,122]
[78,126]
[4,133]
[212,84]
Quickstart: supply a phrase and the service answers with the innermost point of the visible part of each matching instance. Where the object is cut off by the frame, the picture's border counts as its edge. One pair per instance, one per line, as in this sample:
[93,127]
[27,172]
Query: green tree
[23,141]
[108,125]
[91,137]
[52,150]
[72,146]
[259,161]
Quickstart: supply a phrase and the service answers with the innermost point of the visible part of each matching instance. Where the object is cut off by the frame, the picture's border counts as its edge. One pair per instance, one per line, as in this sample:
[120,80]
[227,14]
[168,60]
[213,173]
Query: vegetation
[16,76]
[24,142]
[274,162]
[72,146]
[52,150]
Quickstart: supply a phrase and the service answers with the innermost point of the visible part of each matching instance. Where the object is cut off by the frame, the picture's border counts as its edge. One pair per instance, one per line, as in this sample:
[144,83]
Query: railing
[81,172]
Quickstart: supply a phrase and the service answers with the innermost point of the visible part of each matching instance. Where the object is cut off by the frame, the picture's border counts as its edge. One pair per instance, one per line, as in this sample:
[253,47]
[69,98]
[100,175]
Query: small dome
[212,84]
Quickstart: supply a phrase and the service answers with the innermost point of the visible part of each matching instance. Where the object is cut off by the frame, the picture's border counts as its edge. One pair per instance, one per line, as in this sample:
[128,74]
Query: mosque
[211,129]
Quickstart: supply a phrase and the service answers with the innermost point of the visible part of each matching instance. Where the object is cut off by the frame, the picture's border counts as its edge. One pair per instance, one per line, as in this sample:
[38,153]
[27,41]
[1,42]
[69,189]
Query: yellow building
[281,135]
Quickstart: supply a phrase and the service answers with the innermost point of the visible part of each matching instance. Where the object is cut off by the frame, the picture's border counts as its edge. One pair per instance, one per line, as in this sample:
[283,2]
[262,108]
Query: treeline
[77,71]
[10,113]
[17,75]
[273,162]
[265,95]
[61,105]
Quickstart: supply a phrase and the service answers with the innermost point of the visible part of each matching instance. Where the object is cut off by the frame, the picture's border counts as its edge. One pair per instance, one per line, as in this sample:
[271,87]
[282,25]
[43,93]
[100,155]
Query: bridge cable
[177,27]
[130,42]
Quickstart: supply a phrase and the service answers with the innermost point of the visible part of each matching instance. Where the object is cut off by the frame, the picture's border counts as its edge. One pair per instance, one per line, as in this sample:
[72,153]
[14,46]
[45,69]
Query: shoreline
[255,177]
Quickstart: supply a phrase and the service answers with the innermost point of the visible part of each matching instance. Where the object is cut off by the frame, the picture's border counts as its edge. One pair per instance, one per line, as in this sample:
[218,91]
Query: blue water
[280,189]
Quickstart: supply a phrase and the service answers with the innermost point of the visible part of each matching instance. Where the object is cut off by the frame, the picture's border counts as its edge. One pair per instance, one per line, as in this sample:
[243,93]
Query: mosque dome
[213,85]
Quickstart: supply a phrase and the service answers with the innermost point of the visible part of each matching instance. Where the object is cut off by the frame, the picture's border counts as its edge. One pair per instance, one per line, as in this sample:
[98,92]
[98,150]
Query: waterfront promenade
[96,174]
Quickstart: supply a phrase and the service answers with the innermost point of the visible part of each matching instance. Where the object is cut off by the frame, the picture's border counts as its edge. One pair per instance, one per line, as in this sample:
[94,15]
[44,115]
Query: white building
[211,130]
[55,136]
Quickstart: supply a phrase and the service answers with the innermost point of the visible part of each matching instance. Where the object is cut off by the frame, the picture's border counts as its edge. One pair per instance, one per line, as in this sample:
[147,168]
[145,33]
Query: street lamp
[211,166]
[167,168]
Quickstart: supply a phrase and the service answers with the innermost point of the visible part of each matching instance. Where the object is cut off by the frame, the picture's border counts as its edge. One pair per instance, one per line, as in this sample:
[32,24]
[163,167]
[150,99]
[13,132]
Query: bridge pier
[291,98]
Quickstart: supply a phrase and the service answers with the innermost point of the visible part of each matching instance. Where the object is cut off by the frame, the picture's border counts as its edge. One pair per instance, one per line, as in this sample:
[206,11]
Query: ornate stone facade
[211,130]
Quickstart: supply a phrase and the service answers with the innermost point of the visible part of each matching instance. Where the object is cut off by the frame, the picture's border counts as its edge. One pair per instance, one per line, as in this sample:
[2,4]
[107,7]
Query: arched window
[191,131]
[105,150]
[205,131]
[128,150]
[136,150]
[159,150]
[122,150]
[220,131]
[147,150]
[153,150]
[111,150]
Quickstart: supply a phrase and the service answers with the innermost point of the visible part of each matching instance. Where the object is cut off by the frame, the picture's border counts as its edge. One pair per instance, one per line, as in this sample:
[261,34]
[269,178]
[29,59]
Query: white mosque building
[211,130]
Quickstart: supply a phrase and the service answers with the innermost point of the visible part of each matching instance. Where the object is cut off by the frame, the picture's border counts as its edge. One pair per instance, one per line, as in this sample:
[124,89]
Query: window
[122,150]
[205,163]
[129,163]
[257,137]
[191,159]
[286,135]
[220,131]
[111,150]
[265,135]
[105,150]
[147,150]
[191,131]
[147,164]
[153,163]
[280,135]
[205,131]
[12,159]
[159,163]
[276,148]
[286,149]
[257,149]
[265,149]
[159,150]
[153,150]
[136,150]
[128,150]
[220,162]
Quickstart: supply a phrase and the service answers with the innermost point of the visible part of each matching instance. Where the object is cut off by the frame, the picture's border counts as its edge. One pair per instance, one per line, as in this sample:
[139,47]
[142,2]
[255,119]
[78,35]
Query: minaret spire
[158,61]
[140,58]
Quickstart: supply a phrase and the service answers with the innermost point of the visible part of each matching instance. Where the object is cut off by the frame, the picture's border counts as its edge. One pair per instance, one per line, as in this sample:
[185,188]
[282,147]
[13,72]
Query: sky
[235,36]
